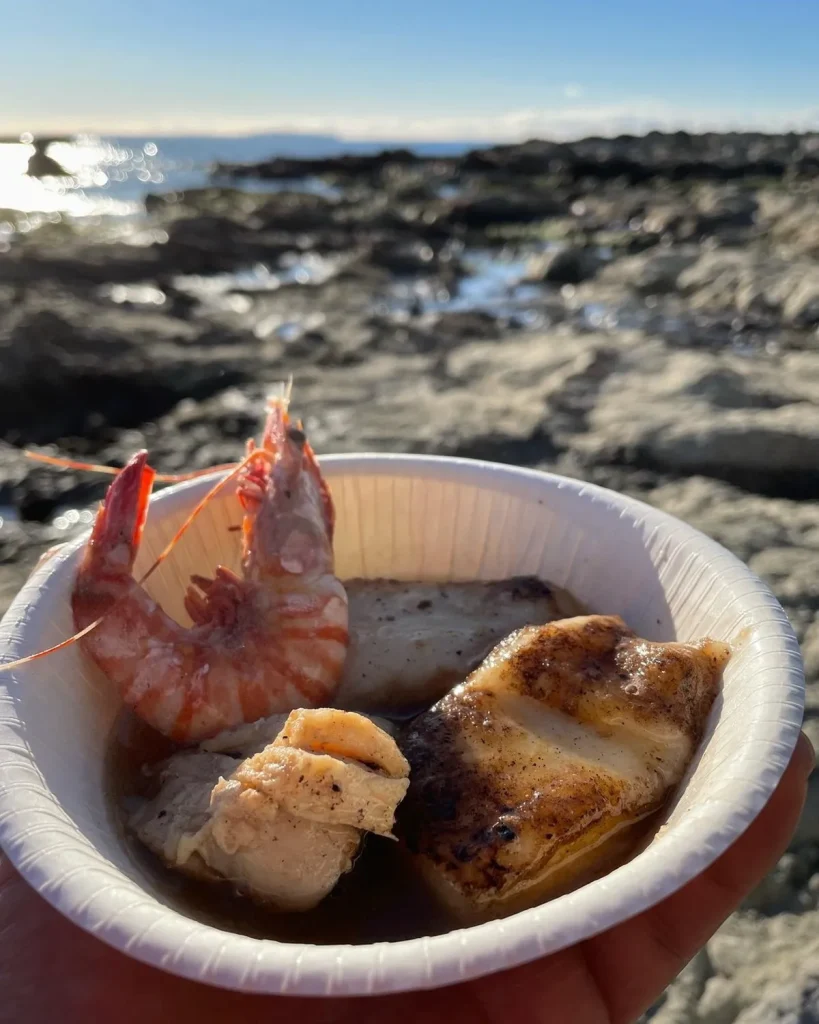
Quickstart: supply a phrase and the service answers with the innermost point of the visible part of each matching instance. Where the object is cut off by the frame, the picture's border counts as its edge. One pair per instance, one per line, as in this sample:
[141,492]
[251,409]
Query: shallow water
[108,180]
[110,177]
[494,283]
[8,514]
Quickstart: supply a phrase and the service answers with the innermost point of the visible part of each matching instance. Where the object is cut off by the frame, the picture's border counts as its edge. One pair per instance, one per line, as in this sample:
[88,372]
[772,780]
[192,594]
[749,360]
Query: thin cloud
[572,91]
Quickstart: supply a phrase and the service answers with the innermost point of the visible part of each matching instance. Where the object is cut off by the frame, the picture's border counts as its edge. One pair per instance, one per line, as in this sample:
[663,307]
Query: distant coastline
[112,176]
[260,145]
[289,144]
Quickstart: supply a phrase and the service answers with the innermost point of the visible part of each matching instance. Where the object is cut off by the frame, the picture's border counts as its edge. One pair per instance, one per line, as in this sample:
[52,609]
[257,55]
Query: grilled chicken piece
[284,824]
[249,739]
[411,642]
[526,778]
[182,808]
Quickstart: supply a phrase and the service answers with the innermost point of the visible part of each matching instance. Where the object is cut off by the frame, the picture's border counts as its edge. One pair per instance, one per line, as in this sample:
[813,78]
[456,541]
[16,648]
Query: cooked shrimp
[270,640]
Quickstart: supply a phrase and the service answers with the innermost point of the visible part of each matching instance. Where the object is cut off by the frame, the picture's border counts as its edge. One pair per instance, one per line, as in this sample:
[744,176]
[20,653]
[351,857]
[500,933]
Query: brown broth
[381,900]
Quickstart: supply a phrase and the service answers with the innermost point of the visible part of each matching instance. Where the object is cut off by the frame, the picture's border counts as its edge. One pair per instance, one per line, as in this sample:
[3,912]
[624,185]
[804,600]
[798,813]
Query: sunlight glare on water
[90,166]
[107,180]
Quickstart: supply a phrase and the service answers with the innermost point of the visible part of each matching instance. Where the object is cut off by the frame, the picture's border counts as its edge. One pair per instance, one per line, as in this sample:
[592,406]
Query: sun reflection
[88,164]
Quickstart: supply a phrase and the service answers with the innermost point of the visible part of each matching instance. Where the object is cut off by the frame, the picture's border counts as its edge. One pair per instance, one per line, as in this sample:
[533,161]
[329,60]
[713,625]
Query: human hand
[51,970]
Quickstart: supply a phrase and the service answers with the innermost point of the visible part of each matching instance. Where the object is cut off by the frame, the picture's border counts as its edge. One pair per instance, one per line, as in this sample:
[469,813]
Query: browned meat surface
[526,775]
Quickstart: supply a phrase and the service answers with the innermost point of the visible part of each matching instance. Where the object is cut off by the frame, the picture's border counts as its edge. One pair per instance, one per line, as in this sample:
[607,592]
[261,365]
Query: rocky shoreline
[643,313]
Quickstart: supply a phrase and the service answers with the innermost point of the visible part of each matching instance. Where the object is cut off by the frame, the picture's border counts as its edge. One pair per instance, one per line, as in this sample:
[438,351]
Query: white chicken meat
[284,824]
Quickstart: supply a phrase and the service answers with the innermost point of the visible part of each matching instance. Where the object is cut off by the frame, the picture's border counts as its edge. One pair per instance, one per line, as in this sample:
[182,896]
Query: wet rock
[210,244]
[784,890]
[90,368]
[705,213]
[556,374]
[402,259]
[777,447]
[489,210]
[654,273]
[791,222]
[50,373]
[679,1003]
[796,1002]
[801,305]
[664,218]
[719,1003]
[81,264]
[712,413]
[747,282]
[810,650]
[295,211]
[365,166]
[761,956]
[718,210]
[794,573]
[467,326]
[40,165]
[565,266]
[219,202]
[21,547]
[468,404]
[635,160]
[676,157]
[750,526]
[449,416]
[747,524]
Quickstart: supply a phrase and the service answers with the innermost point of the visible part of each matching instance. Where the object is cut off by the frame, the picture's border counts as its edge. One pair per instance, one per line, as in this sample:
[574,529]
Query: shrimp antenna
[217,487]
[281,392]
[220,485]
[92,467]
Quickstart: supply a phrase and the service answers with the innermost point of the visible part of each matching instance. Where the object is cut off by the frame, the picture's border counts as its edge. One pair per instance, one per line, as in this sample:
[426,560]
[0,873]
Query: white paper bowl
[401,516]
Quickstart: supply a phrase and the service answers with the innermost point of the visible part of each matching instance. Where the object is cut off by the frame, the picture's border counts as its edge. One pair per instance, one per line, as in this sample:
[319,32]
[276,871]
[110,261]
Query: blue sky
[423,69]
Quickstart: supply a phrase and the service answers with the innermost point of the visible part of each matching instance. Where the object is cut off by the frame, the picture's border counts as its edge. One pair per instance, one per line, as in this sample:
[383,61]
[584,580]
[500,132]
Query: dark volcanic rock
[519,208]
[350,166]
[82,264]
[632,160]
[295,211]
[208,245]
[675,157]
[566,266]
[68,374]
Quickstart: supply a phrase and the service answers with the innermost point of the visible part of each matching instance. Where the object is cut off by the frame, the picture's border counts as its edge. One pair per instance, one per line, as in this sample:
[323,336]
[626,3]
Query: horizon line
[387,141]
[633,116]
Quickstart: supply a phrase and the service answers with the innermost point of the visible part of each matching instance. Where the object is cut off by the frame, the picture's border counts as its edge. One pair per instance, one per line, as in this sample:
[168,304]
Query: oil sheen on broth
[384,897]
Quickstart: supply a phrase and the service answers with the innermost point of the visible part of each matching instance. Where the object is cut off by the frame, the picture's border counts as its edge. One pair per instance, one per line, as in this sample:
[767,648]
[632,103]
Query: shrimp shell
[267,641]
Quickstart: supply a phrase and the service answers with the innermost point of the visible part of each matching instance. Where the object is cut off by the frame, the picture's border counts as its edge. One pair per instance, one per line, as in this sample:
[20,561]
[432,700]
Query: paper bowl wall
[410,517]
